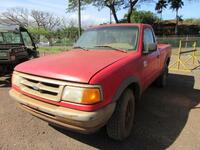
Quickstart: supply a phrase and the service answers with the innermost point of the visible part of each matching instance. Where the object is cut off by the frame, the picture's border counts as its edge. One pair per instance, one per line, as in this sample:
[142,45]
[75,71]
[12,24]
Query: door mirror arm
[145,52]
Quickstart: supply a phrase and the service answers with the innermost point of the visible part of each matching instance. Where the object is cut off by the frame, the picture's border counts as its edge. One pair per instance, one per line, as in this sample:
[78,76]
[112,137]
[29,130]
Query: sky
[91,15]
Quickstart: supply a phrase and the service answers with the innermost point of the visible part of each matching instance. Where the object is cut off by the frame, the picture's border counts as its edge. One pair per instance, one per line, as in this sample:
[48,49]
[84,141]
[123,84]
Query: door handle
[145,63]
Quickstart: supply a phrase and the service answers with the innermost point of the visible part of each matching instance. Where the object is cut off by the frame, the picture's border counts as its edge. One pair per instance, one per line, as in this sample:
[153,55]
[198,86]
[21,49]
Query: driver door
[150,59]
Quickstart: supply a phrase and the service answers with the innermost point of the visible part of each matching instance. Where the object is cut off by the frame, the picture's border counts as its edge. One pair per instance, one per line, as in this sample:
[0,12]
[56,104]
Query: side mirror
[152,47]
[149,48]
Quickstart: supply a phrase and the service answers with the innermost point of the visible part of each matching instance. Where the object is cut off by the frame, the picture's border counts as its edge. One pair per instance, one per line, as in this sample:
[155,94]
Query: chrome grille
[41,87]
[4,55]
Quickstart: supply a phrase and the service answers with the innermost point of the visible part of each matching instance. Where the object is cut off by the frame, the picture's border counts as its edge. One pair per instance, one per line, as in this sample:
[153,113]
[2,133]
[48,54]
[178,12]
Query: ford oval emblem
[36,88]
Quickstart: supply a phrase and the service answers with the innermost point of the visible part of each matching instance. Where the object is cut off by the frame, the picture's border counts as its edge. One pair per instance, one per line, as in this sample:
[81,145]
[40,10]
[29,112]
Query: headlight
[82,95]
[16,79]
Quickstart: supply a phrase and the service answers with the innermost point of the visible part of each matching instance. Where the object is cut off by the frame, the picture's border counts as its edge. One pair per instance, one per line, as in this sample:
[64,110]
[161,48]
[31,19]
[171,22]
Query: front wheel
[120,125]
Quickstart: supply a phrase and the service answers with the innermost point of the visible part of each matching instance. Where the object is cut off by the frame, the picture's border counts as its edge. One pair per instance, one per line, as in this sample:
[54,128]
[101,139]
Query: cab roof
[10,28]
[119,24]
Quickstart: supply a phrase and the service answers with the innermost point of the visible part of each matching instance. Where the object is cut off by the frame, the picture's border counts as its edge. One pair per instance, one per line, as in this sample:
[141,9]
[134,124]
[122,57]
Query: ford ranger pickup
[95,84]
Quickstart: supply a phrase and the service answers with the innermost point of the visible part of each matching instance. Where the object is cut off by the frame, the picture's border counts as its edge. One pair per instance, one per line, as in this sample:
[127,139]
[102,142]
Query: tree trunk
[129,15]
[159,23]
[130,11]
[176,28]
[50,40]
[110,17]
[79,18]
[112,8]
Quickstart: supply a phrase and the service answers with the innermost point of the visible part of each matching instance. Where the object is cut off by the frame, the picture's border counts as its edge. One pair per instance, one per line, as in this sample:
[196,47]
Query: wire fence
[174,40]
[64,44]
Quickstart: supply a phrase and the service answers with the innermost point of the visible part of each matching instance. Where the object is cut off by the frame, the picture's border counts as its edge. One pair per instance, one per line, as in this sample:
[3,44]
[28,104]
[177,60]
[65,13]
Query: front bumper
[81,121]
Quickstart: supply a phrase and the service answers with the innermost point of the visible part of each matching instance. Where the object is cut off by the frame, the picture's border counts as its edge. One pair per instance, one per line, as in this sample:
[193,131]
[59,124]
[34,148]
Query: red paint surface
[106,68]
[75,65]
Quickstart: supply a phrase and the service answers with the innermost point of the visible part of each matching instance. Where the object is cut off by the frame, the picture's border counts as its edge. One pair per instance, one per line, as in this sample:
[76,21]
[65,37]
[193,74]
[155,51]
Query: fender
[124,85]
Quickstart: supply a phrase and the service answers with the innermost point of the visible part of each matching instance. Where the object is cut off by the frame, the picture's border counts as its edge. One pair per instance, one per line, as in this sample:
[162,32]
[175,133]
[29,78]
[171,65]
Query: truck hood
[75,65]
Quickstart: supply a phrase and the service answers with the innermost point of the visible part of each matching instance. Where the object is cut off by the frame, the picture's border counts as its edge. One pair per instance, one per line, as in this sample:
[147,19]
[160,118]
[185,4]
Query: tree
[79,18]
[176,5]
[15,16]
[47,22]
[113,5]
[37,32]
[73,4]
[160,6]
[193,21]
[130,5]
[144,17]
[40,20]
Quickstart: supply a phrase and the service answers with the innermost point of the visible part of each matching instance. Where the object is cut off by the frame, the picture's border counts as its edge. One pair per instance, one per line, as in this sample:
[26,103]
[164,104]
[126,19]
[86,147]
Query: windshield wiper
[80,47]
[117,49]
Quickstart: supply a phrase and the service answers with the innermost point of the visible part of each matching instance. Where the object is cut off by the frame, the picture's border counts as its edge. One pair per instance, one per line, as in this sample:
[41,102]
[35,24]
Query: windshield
[124,38]
[10,38]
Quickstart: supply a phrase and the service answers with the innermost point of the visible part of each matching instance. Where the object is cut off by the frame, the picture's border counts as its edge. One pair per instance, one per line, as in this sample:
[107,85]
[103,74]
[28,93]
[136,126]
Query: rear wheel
[120,125]
[162,79]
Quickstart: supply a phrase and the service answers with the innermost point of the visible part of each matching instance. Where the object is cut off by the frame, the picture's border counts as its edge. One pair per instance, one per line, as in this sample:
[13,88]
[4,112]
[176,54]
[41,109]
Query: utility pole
[110,17]
[79,18]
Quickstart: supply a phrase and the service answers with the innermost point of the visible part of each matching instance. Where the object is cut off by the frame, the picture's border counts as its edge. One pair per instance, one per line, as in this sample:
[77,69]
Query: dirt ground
[166,118]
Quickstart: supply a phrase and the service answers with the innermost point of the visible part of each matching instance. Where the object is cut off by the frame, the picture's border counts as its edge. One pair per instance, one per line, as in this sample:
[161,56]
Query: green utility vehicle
[16,46]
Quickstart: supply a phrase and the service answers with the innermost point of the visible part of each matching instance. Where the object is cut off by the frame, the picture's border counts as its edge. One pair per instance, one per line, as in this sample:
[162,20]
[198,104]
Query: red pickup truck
[97,83]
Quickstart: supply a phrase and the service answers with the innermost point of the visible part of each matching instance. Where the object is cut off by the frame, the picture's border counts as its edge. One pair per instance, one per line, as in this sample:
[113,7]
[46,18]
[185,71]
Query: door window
[27,39]
[10,38]
[148,38]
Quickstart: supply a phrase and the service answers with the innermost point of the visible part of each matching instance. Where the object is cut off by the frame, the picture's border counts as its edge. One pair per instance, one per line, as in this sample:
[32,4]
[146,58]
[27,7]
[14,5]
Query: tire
[120,124]
[162,79]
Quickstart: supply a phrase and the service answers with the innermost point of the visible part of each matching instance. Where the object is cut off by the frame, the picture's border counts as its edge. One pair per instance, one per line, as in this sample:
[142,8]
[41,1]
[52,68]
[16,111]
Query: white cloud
[87,19]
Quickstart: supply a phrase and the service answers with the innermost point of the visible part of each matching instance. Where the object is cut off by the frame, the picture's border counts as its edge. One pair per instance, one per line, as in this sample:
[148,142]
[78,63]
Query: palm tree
[176,5]
[160,6]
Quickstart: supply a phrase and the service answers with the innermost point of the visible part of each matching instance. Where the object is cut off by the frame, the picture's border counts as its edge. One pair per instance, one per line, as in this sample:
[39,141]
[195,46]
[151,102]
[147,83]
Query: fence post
[193,54]
[179,53]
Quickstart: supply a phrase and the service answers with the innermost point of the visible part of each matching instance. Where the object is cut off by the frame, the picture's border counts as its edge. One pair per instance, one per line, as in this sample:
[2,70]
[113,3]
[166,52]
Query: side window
[1,38]
[27,39]
[148,38]
[11,37]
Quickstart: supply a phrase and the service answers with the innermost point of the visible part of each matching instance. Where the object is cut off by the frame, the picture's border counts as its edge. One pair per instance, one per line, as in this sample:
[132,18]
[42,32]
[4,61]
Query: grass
[53,49]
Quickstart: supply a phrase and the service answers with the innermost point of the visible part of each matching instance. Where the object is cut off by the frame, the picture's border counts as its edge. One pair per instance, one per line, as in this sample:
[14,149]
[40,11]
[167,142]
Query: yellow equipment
[183,61]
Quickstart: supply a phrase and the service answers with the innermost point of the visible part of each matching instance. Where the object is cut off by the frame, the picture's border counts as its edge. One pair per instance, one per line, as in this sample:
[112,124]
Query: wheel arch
[132,83]
[168,61]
